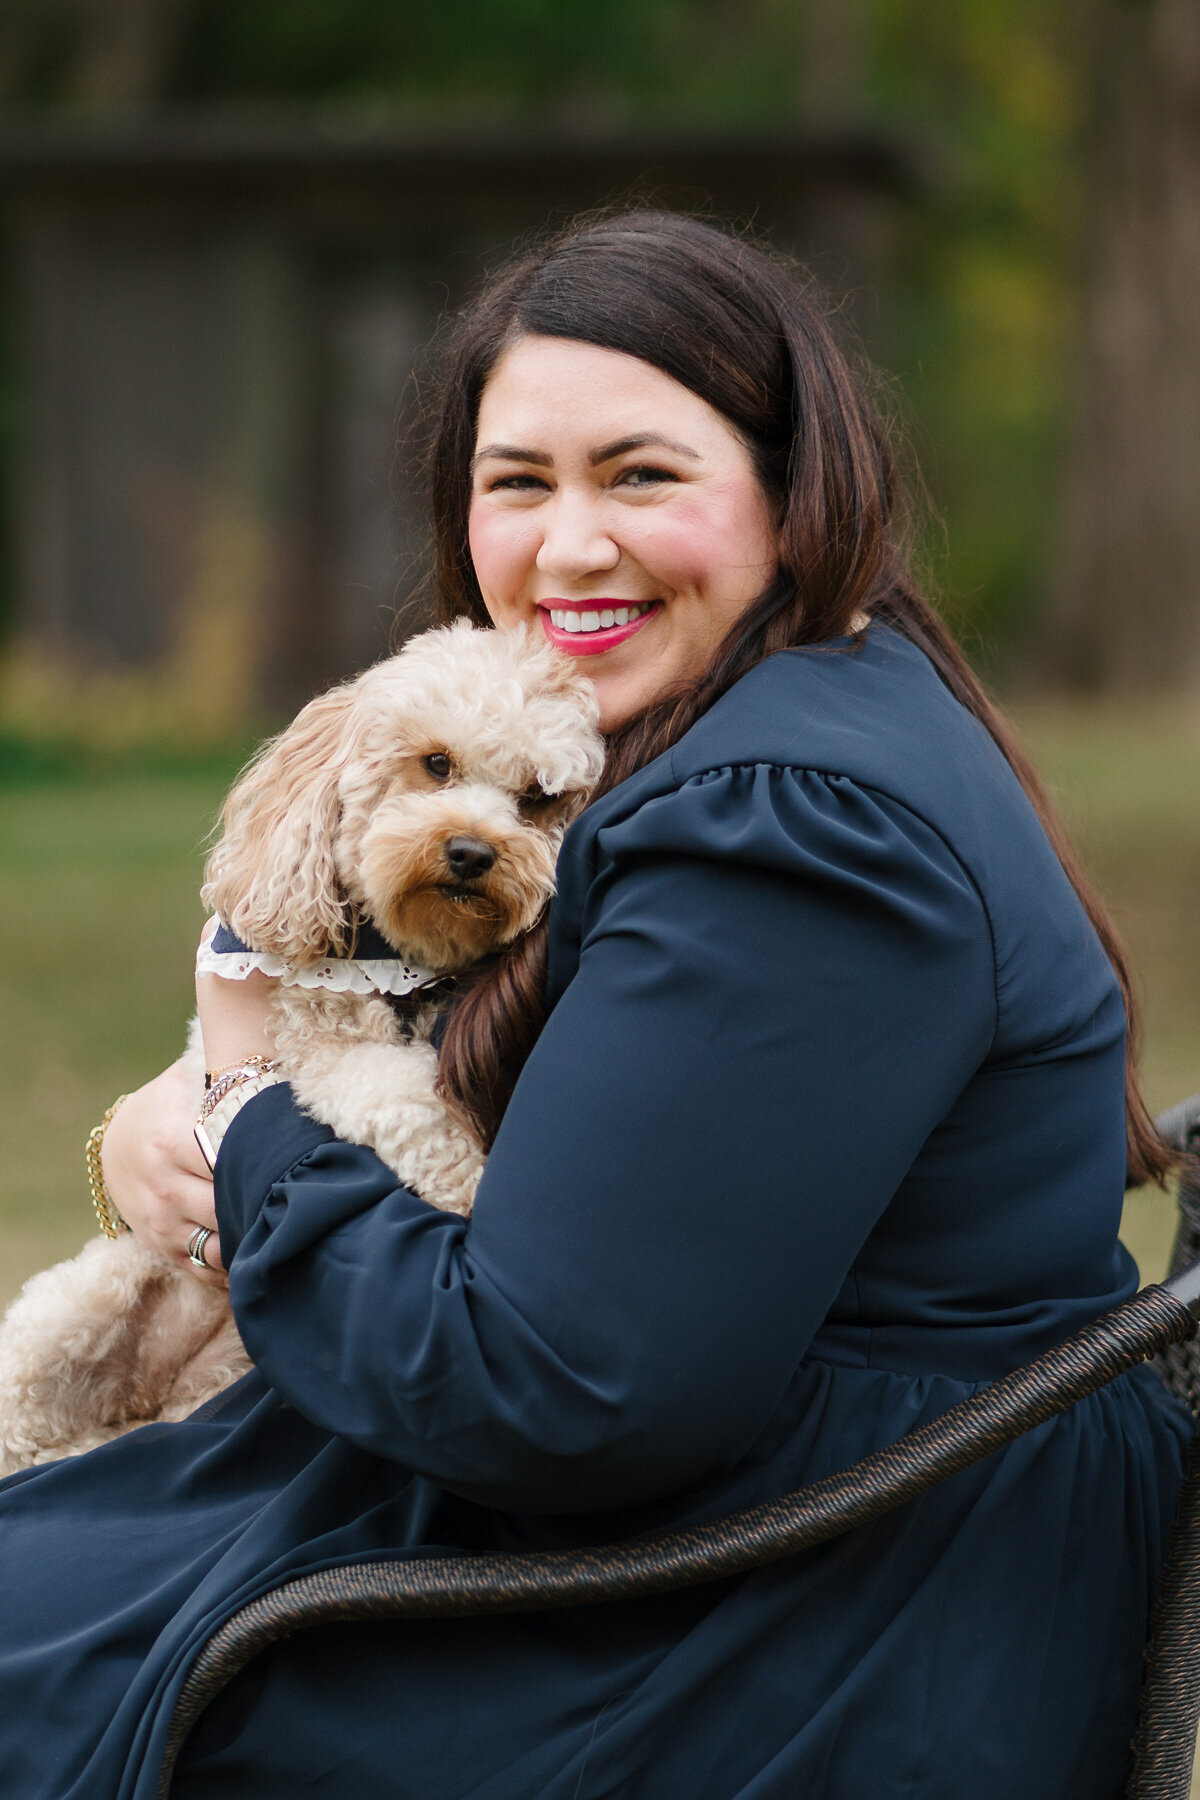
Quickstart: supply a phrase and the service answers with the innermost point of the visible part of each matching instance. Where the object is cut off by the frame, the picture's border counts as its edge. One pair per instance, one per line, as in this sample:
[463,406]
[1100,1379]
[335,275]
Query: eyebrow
[511,453]
[605,453]
[640,441]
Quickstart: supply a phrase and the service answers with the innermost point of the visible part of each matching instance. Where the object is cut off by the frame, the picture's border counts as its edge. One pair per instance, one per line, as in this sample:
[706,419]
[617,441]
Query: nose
[574,544]
[469,858]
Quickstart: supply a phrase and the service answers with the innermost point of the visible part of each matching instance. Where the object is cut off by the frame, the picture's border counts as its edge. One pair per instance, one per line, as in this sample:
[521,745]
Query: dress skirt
[983,1640]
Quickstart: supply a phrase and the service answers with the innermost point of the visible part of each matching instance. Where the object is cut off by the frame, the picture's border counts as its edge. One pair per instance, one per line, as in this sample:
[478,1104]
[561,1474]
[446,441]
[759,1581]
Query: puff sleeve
[784,980]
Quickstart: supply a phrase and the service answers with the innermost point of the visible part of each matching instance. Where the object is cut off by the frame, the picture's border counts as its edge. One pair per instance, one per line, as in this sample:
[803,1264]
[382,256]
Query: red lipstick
[593,643]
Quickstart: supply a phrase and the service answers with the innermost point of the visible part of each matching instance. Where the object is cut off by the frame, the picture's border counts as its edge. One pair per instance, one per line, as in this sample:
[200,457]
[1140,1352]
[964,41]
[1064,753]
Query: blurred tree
[123,50]
[93,52]
[974,311]
[556,60]
[978,308]
[549,58]
[834,73]
[1126,608]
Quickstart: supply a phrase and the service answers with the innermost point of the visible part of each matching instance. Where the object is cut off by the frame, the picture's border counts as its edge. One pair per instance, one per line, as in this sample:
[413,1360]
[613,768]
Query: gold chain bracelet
[111,1222]
[257,1064]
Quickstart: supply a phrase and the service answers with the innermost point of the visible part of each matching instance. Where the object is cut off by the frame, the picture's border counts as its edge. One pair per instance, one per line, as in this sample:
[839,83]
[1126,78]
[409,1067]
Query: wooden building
[214,327]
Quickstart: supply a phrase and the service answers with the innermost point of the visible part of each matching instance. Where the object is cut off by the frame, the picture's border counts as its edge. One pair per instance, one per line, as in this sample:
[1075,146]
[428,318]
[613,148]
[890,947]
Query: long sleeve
[784,981]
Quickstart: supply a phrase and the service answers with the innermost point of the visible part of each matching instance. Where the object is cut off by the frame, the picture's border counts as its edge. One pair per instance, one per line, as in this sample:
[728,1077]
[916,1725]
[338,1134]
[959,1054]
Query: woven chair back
[1165,1741]
[1180,1365]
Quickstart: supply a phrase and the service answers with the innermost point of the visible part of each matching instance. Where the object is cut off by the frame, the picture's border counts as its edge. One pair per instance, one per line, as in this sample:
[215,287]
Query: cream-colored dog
[423,804]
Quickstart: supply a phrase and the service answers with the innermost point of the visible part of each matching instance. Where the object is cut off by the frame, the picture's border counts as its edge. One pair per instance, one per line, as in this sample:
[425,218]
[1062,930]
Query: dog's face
[451,853]
[431,795]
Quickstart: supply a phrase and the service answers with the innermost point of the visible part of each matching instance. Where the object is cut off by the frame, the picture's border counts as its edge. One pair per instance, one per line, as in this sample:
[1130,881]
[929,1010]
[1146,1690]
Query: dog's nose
[469,858]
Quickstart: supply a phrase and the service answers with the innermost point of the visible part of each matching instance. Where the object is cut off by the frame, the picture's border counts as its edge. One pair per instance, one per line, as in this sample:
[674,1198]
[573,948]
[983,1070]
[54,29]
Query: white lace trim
[344,975]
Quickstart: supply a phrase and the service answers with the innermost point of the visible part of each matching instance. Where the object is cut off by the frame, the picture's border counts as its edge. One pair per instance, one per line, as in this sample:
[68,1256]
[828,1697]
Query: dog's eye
[534,799]
[438,765]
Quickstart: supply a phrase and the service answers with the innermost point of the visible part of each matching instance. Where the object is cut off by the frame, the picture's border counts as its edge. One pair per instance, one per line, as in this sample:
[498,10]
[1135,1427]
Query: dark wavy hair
[736,326]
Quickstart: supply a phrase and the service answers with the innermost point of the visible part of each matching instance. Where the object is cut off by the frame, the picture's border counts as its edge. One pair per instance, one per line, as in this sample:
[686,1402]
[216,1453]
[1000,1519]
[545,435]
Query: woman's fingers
[155,1174]
[196,1196]
[203,1243]
[153,1170]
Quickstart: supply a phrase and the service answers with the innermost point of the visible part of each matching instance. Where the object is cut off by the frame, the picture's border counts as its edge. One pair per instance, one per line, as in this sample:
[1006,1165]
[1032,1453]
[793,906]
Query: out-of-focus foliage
[985,94]
[666,58]
[9,387]
[662,58]
[983,294]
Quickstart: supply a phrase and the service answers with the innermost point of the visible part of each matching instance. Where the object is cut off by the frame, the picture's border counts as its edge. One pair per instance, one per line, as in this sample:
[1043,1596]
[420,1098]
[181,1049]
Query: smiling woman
[636,547]
[818,1118]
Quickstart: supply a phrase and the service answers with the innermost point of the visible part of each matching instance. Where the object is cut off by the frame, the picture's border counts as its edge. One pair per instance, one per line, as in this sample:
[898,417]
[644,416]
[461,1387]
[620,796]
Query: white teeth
[574,622]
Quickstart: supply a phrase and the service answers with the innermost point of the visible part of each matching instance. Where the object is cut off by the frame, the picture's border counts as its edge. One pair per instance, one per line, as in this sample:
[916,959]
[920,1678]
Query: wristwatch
[225,1100]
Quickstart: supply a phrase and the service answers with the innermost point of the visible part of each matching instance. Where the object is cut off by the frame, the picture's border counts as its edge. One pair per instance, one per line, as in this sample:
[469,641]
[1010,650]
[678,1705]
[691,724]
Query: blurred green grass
[1128,783]
[99,877]
[99,881]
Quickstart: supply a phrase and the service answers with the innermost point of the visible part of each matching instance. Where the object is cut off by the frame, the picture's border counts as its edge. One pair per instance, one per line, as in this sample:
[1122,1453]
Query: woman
[828,1124]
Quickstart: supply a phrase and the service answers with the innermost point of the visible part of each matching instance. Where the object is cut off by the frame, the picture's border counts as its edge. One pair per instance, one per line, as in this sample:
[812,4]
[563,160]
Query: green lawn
[1129,785]
[99,879]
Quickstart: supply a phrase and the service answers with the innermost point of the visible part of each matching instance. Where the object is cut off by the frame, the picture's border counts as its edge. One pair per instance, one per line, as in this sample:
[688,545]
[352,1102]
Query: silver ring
[196,1245]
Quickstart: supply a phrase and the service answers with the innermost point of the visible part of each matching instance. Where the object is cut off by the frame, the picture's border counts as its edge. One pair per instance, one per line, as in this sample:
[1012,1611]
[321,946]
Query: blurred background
[227,230]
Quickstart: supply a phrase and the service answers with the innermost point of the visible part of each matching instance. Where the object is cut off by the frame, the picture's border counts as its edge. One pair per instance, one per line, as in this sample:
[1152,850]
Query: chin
[622,697]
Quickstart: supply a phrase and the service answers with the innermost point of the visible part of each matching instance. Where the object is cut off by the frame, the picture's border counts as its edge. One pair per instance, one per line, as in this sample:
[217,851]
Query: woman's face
[618,512]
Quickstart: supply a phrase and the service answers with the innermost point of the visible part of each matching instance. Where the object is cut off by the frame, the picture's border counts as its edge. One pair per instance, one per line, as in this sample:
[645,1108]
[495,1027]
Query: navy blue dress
[825,1130]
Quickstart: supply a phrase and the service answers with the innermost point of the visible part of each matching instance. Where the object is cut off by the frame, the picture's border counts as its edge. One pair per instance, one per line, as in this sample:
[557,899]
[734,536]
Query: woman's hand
[154,1172]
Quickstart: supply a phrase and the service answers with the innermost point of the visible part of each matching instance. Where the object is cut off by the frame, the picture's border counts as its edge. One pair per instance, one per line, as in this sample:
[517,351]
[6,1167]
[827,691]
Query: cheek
[672,548]
[503,550]
[713,551]
[742,541]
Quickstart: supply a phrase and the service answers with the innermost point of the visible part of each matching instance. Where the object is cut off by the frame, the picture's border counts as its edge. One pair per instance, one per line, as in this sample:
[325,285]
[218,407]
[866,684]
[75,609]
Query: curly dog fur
[429,797]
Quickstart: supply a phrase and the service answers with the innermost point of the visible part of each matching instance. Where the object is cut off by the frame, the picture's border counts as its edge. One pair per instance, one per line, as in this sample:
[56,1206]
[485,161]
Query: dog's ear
[271,877]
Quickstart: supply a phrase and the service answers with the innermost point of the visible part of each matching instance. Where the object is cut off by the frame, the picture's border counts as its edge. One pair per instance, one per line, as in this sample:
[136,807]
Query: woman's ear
[272,876]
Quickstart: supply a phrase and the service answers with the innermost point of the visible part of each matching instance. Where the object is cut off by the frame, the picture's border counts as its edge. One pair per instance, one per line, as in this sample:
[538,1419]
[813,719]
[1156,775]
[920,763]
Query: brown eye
[438,765]
[534,799]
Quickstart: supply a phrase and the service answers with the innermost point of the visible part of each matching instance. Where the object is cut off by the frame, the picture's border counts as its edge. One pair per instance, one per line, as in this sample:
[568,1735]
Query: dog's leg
[215,1363]
[117,1337]
[92,1347]
[351,1069]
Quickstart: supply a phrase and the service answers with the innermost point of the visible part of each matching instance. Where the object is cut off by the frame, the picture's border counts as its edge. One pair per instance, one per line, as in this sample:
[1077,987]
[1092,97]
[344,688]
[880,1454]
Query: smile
[587,631]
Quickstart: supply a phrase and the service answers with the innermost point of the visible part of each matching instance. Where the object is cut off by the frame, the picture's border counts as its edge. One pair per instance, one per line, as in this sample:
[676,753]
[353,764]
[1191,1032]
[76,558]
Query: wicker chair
[1159,1323]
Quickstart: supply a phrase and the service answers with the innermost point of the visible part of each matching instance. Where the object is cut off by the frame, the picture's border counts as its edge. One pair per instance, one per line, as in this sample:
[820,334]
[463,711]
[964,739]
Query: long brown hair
[735,326]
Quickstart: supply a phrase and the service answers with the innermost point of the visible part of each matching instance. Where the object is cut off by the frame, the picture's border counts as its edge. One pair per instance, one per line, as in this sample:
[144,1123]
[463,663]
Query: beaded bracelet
[111,1222]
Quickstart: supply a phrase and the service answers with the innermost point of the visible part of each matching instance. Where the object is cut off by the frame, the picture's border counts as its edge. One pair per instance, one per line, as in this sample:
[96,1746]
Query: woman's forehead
[558,389]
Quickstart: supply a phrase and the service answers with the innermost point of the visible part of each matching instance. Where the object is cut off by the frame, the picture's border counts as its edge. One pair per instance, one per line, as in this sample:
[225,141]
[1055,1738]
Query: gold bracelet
[230,1076]
[223,1103]
[253,1064]
[111,1222]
